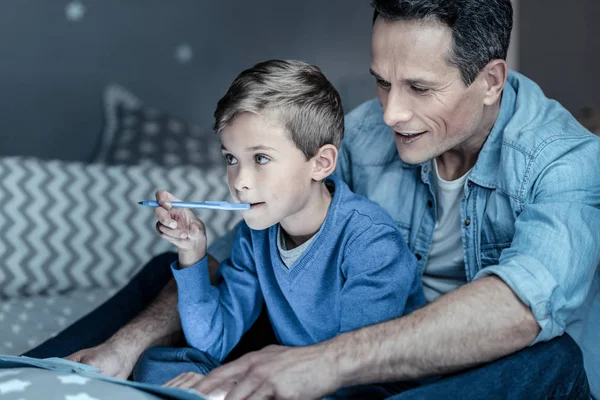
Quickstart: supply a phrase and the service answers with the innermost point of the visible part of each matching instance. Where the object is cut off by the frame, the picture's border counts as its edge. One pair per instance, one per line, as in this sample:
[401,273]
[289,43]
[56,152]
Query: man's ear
[324,162]
[494,74]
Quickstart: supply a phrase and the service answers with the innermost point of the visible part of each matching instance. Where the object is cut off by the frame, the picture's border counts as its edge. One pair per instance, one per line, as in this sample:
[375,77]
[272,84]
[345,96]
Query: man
[497,191]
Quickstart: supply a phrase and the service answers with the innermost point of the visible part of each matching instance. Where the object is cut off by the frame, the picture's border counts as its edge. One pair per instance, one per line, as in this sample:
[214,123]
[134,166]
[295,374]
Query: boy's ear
[324,162]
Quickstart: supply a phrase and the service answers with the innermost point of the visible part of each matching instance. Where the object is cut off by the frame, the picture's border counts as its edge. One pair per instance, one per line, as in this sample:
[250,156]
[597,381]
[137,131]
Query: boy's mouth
[255,205]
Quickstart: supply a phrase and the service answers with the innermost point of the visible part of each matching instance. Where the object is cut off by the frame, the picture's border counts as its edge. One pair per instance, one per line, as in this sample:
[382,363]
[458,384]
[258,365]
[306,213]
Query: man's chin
[413,157]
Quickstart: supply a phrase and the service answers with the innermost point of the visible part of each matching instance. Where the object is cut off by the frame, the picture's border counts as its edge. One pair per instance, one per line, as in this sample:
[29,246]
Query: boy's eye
[231,160]
[261,159]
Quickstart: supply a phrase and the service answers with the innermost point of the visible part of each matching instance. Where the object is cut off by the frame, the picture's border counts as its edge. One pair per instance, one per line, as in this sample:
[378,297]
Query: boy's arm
[220,249]
[215,317]
[381,273]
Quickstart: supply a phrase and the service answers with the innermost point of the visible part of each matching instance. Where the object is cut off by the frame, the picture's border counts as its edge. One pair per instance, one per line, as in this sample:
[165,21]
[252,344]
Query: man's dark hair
[480,28]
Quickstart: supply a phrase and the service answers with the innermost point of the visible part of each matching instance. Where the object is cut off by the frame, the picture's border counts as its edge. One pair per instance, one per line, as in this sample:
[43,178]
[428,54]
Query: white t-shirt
[445,268]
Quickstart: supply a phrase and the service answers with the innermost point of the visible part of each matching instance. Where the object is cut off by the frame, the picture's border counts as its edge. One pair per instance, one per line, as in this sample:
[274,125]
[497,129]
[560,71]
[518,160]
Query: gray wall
[559,47]
[53,70]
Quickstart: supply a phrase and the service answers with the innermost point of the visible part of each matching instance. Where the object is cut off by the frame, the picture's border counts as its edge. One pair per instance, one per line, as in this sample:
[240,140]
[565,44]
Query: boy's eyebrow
[259,147]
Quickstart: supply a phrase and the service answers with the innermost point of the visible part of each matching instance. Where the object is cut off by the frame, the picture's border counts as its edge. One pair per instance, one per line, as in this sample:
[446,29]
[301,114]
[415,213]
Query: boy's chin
[257,225]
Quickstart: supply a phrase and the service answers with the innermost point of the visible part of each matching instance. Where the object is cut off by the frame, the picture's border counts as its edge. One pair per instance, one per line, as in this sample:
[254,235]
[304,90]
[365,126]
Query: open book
[19,375]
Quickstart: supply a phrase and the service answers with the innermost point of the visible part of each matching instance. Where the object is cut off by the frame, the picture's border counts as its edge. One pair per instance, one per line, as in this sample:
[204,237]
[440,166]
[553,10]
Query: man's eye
[383,84]
[231,160]
[419,90]
[260,159]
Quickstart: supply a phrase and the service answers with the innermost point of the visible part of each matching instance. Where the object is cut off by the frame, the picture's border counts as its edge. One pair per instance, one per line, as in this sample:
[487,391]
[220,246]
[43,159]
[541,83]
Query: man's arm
[158,324]
[474,324]
[477,323]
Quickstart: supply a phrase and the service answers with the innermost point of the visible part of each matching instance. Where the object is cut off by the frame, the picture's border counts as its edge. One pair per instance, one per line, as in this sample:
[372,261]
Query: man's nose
[398,108]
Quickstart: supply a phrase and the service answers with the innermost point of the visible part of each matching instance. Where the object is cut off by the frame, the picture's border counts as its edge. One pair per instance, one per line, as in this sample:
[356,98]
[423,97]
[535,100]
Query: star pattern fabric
[13,385]
[40,384]
[73,379]
[26,324]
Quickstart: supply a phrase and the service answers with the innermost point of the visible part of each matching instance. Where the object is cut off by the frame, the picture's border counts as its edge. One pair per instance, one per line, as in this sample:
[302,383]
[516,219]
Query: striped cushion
[68,225]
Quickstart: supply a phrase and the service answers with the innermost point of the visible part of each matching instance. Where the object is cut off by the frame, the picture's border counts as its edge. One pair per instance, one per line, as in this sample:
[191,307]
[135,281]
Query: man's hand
[190,380]
[110,360]
[275,372]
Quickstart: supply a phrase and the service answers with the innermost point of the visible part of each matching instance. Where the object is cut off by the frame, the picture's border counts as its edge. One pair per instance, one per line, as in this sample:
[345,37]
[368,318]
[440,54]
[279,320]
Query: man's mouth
[409,137]
[255,205]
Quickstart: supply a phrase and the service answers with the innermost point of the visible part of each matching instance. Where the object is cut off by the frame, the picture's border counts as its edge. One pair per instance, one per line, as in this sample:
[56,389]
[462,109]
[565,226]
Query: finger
[166,232]
[218,394]
[164,217]
[191,380]
[222,376]
[177,242]
[76,357]
[248,389]
[196,231]
[165,198]
[177,381]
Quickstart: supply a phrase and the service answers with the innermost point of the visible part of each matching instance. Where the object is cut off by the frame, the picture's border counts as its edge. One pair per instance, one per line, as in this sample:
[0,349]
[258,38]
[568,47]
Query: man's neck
[457,161]
[300,227]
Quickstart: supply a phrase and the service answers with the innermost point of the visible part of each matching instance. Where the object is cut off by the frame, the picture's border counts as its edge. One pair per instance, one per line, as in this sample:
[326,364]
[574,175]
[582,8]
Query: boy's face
[265,169]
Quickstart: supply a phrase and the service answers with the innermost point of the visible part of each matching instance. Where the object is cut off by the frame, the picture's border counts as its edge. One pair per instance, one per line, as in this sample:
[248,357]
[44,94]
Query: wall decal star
[75,10]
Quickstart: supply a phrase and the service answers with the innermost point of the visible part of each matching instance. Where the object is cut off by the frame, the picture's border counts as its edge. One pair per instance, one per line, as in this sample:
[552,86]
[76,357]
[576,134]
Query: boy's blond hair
[297,94]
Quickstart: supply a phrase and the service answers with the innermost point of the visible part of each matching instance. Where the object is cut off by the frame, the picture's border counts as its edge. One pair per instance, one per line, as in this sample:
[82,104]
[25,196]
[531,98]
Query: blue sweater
[357,271]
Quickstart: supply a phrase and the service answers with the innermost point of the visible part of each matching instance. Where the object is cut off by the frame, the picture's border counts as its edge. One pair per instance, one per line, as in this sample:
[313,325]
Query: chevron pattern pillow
[135,133]
[67,225]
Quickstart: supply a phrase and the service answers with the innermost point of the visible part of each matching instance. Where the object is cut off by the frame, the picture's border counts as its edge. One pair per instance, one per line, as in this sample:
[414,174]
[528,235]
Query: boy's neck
[306,223]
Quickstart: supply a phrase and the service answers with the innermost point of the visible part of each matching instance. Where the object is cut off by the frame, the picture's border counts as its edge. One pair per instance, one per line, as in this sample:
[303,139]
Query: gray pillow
[135,133]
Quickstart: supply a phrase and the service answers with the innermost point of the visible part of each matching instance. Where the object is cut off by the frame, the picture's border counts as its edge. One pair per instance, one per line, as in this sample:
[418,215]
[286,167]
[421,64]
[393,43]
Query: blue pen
[213,205]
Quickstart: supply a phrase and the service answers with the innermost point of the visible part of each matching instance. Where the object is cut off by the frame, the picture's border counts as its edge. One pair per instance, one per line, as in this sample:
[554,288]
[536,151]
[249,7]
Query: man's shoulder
[538,120]
[366,134]
[538,134]
[359,213]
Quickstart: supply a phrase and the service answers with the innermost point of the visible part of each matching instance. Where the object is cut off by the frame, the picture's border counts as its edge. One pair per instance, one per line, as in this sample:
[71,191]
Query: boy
[322,259]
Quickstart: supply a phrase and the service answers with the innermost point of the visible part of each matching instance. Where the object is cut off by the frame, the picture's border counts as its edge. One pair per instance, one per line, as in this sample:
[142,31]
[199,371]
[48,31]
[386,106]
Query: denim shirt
[531,207]
[530,212]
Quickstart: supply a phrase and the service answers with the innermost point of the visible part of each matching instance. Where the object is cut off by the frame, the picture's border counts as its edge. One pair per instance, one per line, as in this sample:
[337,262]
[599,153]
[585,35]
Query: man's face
[265,169]
[425,102]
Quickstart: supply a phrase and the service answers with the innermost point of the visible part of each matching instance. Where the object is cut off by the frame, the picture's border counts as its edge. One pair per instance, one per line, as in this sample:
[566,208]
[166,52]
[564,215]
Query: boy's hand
[181,227]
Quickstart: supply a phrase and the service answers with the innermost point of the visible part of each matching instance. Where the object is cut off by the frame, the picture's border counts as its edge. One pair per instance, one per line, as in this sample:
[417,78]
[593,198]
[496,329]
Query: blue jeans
[547,370]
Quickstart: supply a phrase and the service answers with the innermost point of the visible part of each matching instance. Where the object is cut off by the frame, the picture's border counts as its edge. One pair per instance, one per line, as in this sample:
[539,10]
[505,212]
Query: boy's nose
[242,181]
